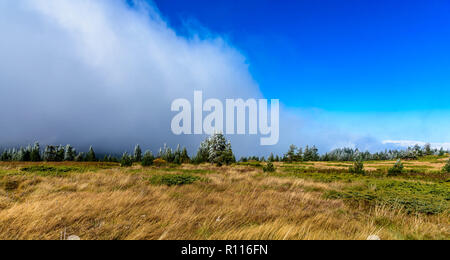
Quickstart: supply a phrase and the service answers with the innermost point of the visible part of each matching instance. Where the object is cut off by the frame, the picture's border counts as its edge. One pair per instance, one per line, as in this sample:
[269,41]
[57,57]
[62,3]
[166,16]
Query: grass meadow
[299,201]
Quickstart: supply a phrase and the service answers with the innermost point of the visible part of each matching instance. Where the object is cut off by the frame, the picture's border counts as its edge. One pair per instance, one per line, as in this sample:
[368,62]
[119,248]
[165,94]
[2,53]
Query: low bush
[126,161]
[357,167]
[269,167]
[174,180]
[147,160]
[397,169]
[446,168]
[159,162]
[42,170]
[413,197]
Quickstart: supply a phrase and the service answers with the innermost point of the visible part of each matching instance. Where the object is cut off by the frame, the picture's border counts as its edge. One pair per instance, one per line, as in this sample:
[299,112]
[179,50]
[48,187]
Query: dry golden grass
[234,202]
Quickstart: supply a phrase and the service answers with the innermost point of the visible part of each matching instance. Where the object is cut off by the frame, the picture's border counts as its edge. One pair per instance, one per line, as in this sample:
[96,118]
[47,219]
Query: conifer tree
[137,154]
[69,153]
[90,157]
[50,153]
[35,155]
[148,159]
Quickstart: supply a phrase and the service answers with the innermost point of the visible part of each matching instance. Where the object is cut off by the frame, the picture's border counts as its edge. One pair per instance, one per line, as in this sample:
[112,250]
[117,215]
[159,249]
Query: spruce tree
[50,153]
[148,159]
[446,168]
[185,156]
[69,153]
[60,152]
[90,157]
[126,160]
[137,154]
[35,155]
[80,157]
[291,154]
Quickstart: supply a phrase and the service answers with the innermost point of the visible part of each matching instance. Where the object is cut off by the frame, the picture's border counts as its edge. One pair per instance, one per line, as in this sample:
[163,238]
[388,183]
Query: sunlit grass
[297,201]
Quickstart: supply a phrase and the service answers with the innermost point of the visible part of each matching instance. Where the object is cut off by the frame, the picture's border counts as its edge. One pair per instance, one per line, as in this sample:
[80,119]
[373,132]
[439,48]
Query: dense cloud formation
[101,72]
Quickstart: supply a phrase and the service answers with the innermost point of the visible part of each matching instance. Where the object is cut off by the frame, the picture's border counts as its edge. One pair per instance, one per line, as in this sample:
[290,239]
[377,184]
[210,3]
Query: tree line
[311,153]
[215,149]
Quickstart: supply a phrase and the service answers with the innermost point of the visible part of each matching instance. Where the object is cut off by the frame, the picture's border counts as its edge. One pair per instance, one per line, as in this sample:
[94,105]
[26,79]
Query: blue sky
[340,56]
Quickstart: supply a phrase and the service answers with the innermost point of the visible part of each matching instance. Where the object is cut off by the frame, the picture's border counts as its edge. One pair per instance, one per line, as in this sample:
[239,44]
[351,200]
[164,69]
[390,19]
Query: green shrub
[174,180]
[446,168]
[42,170]
[269,167]
[126,160]
[251,163]
[413,197]
[397,169]
[357,167]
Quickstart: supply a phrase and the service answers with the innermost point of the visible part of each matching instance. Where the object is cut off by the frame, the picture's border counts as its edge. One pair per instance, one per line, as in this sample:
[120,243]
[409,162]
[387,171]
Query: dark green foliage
[90,156]
[35,155]
[69,153]
[50,153]
[148,159]
[126,161]
[184,156]
[427,150]
[357,167]
[137,154]
[291,154]
[174,180]
[42,170]
[269,167]
[80,157]
[250,163]
[397,169]
[311,154]
[426,198]
[446,168]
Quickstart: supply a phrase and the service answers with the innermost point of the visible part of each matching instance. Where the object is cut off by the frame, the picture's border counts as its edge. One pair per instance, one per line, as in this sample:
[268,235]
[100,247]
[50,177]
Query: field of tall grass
[296,201]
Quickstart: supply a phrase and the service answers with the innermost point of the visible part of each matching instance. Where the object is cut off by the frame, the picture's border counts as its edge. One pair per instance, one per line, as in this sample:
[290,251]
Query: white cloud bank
[101,72]
[409,143]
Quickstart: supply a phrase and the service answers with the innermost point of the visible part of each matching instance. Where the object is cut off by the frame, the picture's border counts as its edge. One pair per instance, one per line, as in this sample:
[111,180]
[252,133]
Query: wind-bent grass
[298,201]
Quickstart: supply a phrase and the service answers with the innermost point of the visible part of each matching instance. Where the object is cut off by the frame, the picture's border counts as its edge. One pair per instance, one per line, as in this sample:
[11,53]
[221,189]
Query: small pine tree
[148,159]
[357,168]
[35,155]
[126,161]
[428,150]
[80,157]
[269,167]
[217,150]
[137,154]
[291,154]
[60,153]
[69,153]
[397,169]
[50,153]
[184,156]
[90,156]
[446,168]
